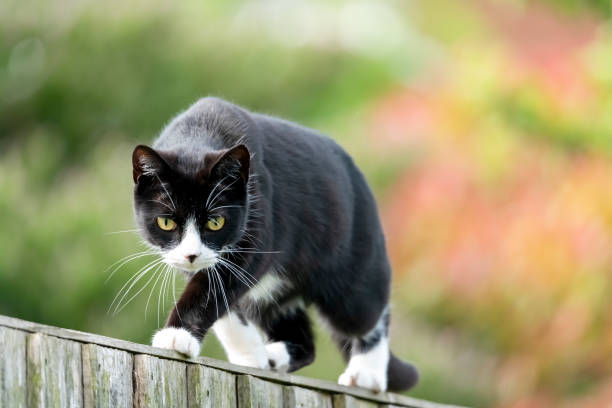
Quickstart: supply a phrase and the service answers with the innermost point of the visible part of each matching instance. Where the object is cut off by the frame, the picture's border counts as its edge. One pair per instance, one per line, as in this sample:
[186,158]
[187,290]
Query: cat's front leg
[190,319]
[241,340]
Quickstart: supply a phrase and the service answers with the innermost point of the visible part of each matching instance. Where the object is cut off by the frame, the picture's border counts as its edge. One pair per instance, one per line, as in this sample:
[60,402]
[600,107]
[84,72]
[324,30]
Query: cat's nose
[191,258]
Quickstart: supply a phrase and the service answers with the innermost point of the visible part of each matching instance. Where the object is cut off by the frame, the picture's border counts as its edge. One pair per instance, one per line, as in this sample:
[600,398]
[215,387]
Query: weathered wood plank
[347,401]
[107,377]
[417,403]
[254,392]
[53,372]
[312,383]
[159,382]
[305,398]
[210,388]
[12,368]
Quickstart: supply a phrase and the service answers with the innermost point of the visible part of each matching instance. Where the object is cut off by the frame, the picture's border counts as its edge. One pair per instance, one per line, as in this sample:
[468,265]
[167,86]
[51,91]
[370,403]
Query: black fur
[299,199]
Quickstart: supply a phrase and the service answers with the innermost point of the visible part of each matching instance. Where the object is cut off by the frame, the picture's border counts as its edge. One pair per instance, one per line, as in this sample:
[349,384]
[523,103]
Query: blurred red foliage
[500,230]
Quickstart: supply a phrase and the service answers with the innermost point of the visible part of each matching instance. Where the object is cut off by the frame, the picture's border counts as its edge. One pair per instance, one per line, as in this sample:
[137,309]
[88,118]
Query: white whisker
[151,293]
[121,232]
[240,270]
[161,297]
[214,200]
[223,291]
[117,307]
[213,190]
[225,206]
[248,251]
[125,260]
[174,293]
[246,281]
[164,187]
[164,204]
[134,276]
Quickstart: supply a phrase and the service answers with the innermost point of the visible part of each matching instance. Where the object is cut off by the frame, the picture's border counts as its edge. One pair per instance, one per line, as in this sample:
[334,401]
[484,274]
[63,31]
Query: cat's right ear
[146,161]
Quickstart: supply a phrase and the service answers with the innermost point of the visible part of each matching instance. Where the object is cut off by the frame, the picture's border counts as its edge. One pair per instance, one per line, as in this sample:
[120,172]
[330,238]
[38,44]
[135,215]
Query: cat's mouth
[192,267]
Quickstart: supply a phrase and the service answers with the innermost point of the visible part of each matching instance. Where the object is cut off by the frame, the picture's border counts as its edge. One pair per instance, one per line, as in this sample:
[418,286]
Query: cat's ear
[237,159]
[146,161]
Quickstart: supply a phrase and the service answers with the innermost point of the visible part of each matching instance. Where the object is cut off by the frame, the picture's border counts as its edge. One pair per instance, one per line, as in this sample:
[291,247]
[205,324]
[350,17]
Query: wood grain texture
[347,401]
[159,382]
[53,372]
[107,377]
[305,398]
[210,388]
[287,379]
[254,392]
[12,368]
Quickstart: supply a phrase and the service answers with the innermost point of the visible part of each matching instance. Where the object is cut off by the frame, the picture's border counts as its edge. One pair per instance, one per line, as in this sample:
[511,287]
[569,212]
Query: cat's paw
[172,338]
[278,356]
[374,380]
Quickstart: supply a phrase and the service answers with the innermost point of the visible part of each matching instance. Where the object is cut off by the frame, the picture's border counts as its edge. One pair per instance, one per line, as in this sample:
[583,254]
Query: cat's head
[191,209]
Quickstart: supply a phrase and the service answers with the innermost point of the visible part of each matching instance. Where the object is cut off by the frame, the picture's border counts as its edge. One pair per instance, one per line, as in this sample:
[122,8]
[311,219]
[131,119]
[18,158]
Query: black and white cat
[265,218]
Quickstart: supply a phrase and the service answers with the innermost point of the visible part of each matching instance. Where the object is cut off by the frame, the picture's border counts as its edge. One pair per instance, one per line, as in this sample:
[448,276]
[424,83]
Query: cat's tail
[400,375]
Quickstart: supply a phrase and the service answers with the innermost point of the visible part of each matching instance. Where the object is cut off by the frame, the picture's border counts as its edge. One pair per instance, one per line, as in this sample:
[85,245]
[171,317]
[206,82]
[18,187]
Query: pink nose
[191,258]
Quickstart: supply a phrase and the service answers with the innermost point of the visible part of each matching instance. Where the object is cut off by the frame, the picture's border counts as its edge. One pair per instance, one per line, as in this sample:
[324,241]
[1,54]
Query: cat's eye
[167,224]
[215,223]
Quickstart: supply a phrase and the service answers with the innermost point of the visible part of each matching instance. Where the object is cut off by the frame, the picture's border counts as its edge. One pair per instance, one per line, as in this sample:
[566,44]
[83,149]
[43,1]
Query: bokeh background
[484,127]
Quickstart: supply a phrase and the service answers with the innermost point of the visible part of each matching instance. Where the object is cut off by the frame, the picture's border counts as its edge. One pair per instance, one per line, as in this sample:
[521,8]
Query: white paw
[374,380]
[180,340]
[278,356]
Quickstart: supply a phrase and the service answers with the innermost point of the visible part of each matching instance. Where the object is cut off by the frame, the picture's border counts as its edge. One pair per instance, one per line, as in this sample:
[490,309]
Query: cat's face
[191,211]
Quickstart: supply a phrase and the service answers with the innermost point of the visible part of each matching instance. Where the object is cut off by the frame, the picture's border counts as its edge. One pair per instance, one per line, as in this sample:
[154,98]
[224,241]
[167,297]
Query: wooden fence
[45,366]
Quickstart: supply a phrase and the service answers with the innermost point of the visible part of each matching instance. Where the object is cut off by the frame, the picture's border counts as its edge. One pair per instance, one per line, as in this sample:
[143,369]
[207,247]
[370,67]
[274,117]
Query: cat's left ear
[236,159]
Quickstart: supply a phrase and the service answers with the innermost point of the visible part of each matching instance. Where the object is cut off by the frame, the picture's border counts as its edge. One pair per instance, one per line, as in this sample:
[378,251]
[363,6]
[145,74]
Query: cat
[265,218]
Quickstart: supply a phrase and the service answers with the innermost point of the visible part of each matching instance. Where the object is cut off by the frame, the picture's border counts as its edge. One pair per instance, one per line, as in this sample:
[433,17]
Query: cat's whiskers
[165,290]
[214,288]
[207,293]
[134,276]
[161,297]
[122,232]
[248,251]
[214,200]
[134,279]
[245,280]
[164,187]
[225,206]
[156,272]
[151,293]
[127,259]
[169,275]
[213,190]
[238,267]
[162,203]
[174,291]
[222,290]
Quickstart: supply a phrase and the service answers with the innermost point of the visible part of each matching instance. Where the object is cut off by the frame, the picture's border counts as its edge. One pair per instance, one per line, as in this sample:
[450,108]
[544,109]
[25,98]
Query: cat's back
[210,123]
[292,146]
[283,146]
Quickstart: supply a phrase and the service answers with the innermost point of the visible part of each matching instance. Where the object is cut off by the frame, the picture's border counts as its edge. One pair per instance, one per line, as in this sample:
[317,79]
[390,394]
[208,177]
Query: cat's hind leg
[290,339]
[371,364]
[368,357]
[241,340]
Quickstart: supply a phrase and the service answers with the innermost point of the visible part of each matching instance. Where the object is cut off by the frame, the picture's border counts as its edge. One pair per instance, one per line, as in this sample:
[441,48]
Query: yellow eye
[215,223]
[167,224]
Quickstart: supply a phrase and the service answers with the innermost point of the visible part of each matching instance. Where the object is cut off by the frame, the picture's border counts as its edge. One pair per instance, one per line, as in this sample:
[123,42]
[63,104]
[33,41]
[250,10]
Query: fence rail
[45,366]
